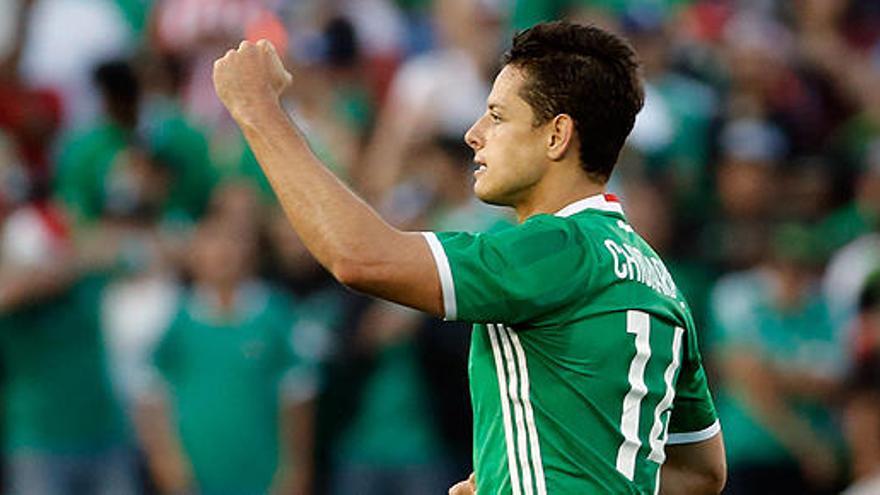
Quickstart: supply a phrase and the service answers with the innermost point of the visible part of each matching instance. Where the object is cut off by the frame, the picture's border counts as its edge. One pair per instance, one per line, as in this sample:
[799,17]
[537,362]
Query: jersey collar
[601,202]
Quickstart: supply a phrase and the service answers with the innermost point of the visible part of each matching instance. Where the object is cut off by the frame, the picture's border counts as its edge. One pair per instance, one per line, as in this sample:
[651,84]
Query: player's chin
[484,192]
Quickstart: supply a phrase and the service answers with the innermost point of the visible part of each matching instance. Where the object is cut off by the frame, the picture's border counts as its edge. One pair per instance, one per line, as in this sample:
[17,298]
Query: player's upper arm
[695,468]
[405,274]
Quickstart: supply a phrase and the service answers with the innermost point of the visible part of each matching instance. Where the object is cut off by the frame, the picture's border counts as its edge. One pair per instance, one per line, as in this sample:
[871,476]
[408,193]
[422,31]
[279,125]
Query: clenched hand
[249,78]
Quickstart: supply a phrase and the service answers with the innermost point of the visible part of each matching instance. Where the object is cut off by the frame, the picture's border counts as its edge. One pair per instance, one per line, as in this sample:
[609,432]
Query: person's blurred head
[237,202]
[645,27]
[757,51]
[221,255]
[292,262]
[806,189]
[136,186]
[341,48]
[472,26]
[750,153]
[559,79]
[120,91]
[162,73]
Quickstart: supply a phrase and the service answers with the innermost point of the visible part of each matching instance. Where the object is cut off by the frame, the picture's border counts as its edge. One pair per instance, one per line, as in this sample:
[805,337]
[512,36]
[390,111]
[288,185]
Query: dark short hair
[117,81]
[587,73]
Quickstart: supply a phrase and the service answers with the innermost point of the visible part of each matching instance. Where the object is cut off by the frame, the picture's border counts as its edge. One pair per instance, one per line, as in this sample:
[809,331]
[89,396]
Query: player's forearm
[340,230]
[338,227]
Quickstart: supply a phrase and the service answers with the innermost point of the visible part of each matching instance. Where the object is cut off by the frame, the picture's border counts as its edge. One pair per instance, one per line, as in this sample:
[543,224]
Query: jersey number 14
[639,323]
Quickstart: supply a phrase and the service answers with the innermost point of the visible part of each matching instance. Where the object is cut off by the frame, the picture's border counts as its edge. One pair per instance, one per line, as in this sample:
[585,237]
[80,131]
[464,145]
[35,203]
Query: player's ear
[560,136]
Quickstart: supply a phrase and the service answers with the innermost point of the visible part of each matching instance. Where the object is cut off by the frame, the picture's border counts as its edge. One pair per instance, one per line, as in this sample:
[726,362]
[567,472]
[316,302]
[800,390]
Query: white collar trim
[602,202]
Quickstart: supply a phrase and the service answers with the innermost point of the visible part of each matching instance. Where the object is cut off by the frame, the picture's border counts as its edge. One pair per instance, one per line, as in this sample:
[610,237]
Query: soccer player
[584,367]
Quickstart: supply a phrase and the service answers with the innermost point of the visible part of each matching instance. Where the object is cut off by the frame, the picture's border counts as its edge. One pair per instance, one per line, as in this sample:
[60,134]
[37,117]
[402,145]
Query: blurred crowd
[163,330]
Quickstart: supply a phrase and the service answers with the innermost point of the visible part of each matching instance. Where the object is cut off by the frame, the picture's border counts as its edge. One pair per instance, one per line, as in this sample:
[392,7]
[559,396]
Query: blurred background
[163,330]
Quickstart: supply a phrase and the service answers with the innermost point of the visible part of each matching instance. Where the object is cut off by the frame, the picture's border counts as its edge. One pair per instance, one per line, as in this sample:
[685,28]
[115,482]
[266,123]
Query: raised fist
[250,77]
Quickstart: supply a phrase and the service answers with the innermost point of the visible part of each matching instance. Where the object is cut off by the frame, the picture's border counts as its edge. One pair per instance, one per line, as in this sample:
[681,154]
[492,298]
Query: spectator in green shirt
[238,408]
[142,111]
[64,432]
[781,366]
[86,156]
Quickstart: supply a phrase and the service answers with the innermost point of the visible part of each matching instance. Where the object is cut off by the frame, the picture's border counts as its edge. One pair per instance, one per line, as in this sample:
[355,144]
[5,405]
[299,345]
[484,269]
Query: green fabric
[177,143]
[852,142]
[353,104]
[804,338]
[691,108]
[414,5]
[83,162]
[393,426]
[57,392]
[248,168]
[224,374]
[588,319]
[526,13]
[844,225]
[621,6]
[86,163]
[136,14]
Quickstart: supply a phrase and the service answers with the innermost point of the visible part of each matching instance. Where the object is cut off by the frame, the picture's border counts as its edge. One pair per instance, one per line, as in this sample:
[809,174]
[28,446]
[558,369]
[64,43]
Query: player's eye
[495,117]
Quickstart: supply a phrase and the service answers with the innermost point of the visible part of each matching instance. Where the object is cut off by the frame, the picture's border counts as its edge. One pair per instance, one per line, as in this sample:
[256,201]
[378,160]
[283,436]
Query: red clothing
[30,117]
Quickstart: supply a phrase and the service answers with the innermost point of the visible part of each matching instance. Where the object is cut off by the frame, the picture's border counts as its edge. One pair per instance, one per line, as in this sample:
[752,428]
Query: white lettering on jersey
[632,264]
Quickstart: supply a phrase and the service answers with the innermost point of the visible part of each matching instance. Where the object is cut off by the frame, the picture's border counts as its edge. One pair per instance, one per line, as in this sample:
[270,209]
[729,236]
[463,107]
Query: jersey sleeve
[694,418]
[513,276]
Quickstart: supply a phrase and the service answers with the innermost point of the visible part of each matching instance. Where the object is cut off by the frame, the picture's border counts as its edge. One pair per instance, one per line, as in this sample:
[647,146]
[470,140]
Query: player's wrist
[256,112]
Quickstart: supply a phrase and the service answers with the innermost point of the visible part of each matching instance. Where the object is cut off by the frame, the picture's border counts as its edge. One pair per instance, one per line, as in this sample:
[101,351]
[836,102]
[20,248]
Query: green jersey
[225,372]
[584,362]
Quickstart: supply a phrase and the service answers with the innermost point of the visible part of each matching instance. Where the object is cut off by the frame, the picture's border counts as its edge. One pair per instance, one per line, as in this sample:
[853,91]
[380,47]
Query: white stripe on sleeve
[694,436]
[447,286]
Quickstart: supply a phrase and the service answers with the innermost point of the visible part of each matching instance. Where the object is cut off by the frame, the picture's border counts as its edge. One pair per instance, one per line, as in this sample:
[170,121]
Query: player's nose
[473,137]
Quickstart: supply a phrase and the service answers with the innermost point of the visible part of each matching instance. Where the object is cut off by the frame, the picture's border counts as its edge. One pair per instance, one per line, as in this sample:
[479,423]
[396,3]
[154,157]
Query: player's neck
[555,191]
